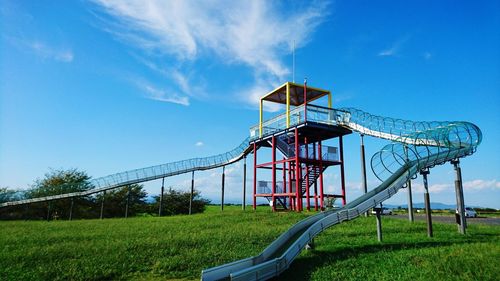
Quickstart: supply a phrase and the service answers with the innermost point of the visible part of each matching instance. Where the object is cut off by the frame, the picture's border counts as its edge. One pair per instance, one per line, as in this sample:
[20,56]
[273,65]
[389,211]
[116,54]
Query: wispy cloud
[257,34]
[42,49]
[395,48]
[163,95]
[183,82]
[49,52]
[199,143]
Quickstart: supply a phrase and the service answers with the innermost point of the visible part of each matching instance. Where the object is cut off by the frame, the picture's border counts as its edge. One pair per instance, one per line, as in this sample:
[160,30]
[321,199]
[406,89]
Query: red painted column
[308,204]
[321,195]
[315,182]
[297,172]
[254,175]
[273,188]
[284,181]
[342,175]
[292,204]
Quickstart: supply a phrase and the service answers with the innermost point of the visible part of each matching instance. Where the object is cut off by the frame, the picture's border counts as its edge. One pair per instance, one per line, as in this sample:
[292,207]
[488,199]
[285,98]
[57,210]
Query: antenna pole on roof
[293,62]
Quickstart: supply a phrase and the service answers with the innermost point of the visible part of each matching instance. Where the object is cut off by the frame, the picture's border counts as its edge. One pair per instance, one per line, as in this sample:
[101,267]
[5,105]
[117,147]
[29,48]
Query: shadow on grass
[303,267]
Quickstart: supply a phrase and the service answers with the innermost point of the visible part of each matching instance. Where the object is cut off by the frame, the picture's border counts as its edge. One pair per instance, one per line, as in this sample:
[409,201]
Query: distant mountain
[434,206]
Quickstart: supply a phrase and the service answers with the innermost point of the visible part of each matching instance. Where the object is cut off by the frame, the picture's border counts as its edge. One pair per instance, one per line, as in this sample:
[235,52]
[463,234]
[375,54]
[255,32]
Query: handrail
[147,174]
[426,144]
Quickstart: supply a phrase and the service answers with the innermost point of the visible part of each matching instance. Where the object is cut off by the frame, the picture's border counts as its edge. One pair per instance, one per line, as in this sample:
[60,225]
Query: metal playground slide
[415,146]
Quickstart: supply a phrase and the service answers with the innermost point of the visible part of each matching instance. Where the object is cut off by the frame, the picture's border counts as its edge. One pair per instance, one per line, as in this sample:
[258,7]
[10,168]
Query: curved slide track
[149,173]
[415,146]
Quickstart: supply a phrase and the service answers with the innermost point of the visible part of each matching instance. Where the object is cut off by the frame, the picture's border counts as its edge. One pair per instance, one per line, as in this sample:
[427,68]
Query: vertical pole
[192,194]
[290,185]
[127,201]
[305,100]
[379,224]
[315,181]
[260,118]
[363,168]
[243,202]
[102,205]
[26,216]
[459,193]
[410,202]
[222,191]
[410,199]
[427,203]
[288,105]
[307,171]
[273,169]
[321,194]
[254,176]
[284,182]
[293,62]
[71,208]
[301,201]
[160,209]
[298,190]
[342,174]
[48,210]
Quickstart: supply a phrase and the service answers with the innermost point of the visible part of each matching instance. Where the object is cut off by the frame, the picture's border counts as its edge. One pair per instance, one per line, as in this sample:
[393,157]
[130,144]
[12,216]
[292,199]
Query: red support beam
[271,163]
[273,188]
[308,205]
[321,195]
[342,175]
[292,205]
[297,172]
[284,182]
[316,181]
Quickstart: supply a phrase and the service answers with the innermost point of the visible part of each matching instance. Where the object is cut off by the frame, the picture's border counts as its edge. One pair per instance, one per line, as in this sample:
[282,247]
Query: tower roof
[278,95]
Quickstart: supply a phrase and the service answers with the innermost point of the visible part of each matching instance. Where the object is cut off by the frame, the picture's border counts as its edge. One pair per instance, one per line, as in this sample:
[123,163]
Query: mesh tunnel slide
[148,174]
[415,146]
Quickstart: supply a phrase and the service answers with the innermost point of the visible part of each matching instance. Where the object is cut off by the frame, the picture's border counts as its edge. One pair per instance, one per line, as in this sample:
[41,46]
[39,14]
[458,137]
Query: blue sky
[107,86]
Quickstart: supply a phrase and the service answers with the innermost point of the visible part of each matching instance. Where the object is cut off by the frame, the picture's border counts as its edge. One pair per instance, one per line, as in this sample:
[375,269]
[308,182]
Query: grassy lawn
[178,248]
[350,251]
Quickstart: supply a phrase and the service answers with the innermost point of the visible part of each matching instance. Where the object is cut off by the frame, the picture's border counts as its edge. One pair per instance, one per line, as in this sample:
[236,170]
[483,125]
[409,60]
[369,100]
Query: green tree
[177,202]
[9,195]
[58,182]
[115,201]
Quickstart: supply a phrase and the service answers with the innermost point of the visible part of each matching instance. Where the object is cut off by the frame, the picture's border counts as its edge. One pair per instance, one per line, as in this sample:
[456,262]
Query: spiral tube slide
[412,140]
[149,173]
[415,146]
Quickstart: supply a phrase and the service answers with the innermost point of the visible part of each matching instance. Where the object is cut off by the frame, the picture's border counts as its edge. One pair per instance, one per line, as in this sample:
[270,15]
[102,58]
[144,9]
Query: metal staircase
[310,176]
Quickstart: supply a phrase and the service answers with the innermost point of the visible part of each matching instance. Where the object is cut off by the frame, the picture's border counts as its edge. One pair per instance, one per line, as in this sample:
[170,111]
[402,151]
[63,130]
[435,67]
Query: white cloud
[49,52]
[473,185]
[394,49]
[481,184]
[199,143]
[164,96]
[256,33]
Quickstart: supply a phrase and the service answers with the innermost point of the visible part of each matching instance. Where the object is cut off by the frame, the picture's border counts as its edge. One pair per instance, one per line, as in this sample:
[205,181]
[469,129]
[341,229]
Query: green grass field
[178,248]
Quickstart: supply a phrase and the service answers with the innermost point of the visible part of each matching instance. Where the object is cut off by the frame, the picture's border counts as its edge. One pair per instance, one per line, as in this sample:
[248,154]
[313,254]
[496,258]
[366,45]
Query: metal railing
[415,146]
[148,174]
